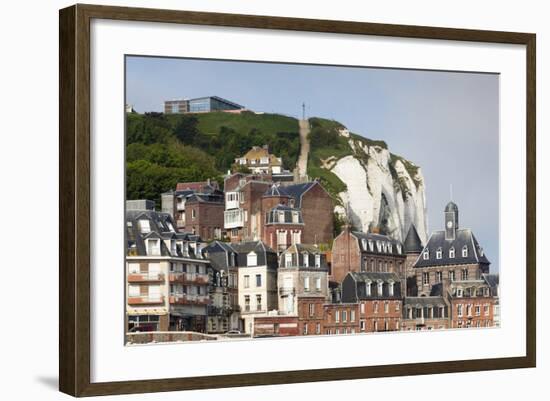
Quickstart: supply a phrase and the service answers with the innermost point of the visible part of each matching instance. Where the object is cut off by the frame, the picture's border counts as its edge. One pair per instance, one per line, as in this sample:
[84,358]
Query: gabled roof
[265,255]
[356,284]
[463,238]
[276,190]
[298,190]
[412,243]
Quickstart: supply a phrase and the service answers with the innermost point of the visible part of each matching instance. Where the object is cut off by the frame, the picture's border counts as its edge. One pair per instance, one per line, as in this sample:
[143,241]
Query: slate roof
[451,207]
[464,237]
[298,190]
[424,301]
[412,243]
[492,280]
[276,190]
[265,255]
[273,215]
[205,198]
[299,252]
[378,243]
[354,286]
[221,255]
[161,226]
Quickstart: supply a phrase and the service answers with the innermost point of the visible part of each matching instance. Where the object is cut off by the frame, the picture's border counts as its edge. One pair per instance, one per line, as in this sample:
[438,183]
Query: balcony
[233,218]
[184,299]
[145,277]
[146,300]
[188,278]
[180,206]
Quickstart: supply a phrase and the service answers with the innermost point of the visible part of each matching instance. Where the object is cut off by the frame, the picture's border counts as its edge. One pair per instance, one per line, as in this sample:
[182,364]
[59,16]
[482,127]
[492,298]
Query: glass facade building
[201,105]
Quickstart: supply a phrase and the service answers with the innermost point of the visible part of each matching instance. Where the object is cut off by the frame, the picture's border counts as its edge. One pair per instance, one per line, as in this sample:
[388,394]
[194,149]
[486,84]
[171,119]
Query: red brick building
[472,304]
[340,318]
[204,216]
[425,313]
[354,251]
[311,315]
[379,298]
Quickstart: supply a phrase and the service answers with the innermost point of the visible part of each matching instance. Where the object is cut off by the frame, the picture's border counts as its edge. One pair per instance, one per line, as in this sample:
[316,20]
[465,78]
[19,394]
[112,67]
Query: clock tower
[451,221]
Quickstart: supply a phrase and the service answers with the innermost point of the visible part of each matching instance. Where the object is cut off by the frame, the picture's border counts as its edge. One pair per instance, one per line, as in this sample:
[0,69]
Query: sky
[445,122]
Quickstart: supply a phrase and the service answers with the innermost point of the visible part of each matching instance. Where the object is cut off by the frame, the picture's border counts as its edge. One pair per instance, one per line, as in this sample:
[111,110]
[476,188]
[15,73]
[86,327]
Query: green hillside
[163,149]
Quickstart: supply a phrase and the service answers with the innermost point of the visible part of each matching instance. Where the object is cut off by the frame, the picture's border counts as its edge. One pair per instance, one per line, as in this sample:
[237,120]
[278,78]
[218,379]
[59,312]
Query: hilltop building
[201,105]
[259,161]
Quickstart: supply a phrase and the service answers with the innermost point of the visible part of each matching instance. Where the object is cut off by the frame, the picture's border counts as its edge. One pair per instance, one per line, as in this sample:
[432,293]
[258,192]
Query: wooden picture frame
[74,203]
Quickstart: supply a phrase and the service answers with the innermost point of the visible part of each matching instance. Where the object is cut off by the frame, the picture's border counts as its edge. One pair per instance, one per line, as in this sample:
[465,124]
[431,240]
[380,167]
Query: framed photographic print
[250,200]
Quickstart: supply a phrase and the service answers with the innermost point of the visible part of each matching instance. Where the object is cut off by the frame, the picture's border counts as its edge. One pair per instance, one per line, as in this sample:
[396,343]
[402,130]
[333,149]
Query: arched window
[439,253]
[452,252]
[465,251]
[426,254]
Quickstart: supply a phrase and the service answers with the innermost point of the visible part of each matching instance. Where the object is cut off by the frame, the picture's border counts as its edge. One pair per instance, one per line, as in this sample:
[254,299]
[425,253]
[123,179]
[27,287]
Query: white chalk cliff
[383,190]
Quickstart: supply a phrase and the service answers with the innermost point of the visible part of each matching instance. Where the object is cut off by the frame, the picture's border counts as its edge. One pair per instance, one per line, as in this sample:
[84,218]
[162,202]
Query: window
[247,303]
[317,260]
[252,259]
[295,217]
[193,214]
[469,310]
[144,226]
[311,309]
[153,247]
[464,274]
[306,284]
[390,288]
[258,302]
[452,252]
[362,308]
[375,307]
[439,277]
[281,217]
[465,251]
[386,307]
[380,286]
[246,281]
[459,292]
[337,316]
[133,268]
[318,328]
[258,280]
[362,325]
[305,329]
[367,288]
[364,242]
[318,284]
[426,254]
[288,259]
[459,310]
[375,326]
[305,257]
[397,306]
[451,275]
[486,309]
[439,253]
[478,310]
[344,316]
[426,278]
[133,290]
[352,316]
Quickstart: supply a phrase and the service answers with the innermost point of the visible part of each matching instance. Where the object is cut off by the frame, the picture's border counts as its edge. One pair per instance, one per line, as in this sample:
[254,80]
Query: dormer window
[426,254]
[305,256]
[144,226]
[439,253]
[288,259]
[452,252]
[153,247]
[398,249]
[390,248]
[378,246]
[390,288]
[317,260]
[367,288]
[295,217]
[252,259]
[281,217]
[459,292]
[465,251]
[371,245]
[364,243]
[380,287]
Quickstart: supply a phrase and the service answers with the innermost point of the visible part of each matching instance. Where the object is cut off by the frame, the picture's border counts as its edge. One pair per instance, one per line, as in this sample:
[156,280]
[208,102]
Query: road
[304,147]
